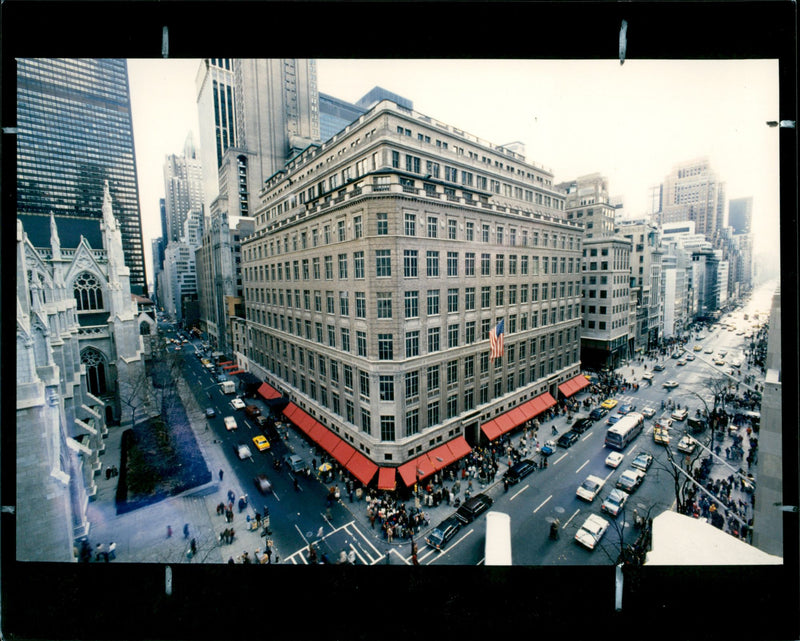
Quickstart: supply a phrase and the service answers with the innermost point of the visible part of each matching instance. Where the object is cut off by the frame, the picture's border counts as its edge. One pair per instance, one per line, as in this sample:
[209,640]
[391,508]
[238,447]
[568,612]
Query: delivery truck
[228,387]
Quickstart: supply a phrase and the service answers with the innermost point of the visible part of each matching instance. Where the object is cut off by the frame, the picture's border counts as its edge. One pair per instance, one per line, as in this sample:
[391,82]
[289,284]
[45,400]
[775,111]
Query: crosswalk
[348,537]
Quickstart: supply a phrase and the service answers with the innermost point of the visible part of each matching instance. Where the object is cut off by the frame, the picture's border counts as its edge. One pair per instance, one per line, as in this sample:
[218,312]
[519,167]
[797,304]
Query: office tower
[335,115]
[692,191]
[376,94]
[588,202]
[74,133]
[381,261]
[183,188]
[740,215]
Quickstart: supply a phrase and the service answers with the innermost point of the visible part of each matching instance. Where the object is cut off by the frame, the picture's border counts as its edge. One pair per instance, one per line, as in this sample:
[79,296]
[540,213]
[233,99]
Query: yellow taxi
[698,348]
[609,403]
[261,442]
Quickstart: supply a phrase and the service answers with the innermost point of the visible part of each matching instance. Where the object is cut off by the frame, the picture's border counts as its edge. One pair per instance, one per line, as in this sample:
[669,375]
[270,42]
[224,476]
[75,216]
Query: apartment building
[382,259]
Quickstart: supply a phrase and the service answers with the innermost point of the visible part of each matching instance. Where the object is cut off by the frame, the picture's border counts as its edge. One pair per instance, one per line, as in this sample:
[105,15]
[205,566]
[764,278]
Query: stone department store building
[380,262]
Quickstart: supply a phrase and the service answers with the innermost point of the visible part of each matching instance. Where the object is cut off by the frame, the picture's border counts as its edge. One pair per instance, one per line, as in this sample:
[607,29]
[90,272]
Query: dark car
[567,439]
[442,533]
[597,413]
[518,471]
[263,484]
[473,507]
[658,367]
[210,412]
[581,425]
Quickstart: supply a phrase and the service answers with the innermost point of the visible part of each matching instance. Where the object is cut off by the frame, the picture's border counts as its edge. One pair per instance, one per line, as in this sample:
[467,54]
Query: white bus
[624,430]
[498,539]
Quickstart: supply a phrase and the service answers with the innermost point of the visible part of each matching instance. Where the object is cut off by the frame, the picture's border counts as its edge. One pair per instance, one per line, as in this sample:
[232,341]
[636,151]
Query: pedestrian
[185,530]
[100,552]
[268,552]
[343,557]
[108,473]
[193,547]
[169,531]
[220,475]
[351,557]
[112,551]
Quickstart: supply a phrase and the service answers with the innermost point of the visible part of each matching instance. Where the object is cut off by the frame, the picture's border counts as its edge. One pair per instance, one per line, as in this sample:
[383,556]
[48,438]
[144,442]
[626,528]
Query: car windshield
[589,485]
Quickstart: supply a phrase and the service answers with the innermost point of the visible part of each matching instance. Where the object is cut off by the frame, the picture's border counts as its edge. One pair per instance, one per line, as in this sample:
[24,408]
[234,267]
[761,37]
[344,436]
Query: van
[473,507]
[518,471]
[228,387]
[230,423]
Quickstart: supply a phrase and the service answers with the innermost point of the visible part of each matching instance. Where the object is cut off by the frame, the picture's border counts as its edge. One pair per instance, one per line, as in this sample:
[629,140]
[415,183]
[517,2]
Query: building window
[469,332]
[432,260]
[387,428]
[433,413]
[469,264]
[361,305]
[434,344]
[452,227]
[452,300]
[410,263]
[358,264]
[344,304]
[366,421]
[452,336]
[357,227]
[345,335]
[386,387]
[499,265]
[88,292]
[412,304]
[385,347]
[470,231]
[412,385]
[361,343]
[383,262]
[383,224]
[412,422]
[340,230]
[452,263]
[452,406]
[433,222]
[485,264]
[384,300]
[433,378]
[433,302]
[412,344]
[469,299]
[363,385]
[410,224]
[485,297]
[342,266]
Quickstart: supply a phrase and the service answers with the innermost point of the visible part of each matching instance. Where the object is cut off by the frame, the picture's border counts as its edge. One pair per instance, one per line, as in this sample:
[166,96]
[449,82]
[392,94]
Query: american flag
[496,341]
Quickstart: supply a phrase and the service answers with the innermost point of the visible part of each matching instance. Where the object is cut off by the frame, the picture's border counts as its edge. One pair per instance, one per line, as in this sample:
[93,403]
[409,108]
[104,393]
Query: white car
[670,384]
[238,404]
[648,412]
[630,480]
[687,445]
[614,459]
[590,488]
[648,376]
[242,451]
[592,530]
[680,415]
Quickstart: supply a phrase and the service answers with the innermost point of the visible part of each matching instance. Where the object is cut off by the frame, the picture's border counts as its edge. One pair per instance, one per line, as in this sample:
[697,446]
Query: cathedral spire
[55,241]
[108,214]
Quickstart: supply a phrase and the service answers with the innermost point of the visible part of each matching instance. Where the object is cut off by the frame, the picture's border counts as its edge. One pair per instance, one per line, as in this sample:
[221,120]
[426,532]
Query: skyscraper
[740,215]
[75,132]
[183,187]
[694,192]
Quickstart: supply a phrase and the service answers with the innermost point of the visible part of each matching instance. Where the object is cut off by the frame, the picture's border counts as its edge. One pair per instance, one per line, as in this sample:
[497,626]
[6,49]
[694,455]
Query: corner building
[380,262]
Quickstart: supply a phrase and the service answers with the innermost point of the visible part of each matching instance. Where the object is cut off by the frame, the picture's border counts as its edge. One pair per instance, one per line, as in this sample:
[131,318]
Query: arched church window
[88,292]
[95,364]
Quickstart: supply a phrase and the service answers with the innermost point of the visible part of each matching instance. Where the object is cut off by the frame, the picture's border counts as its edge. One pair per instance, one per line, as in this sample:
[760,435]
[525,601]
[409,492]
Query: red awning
[518,416]
[233,366]
[459,447]
[290,409]
[425,466]
[387,478]
[441,456]
[408,473]
[303,420]
[361,467]
[573,385]
[322,436]
[342,452]
[504,422]
[224,362]
[236,371]
[491,429]
[268,392]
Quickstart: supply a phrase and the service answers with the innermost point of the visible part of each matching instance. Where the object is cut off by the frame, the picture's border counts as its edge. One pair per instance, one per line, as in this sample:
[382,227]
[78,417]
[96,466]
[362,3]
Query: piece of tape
[623,41]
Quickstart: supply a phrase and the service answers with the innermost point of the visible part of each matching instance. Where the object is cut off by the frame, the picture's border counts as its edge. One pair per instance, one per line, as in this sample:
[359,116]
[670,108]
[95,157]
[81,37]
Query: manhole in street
[309,535]
[559,509]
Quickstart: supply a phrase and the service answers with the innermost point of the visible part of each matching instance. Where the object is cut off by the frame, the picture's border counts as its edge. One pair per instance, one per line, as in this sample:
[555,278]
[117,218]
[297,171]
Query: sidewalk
[141,535]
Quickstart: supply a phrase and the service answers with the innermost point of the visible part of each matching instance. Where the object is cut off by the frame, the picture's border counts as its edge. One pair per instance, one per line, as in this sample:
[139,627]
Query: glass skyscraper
[74,132]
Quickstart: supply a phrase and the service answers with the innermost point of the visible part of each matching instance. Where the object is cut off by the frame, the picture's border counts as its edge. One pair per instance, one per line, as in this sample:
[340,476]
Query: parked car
[581,425]
[670,384]
[442,533]
[263,484]
[590,488]
[609,403]
[242,451]
[648,412]
[614,459]
[210,412]
[597,413]
[630,480]
[592,530]
[643,461]
[567,439]
[261,442]
[614,502]
[237,403]
[473,507]
[518,471]
[687,445]
[295,462]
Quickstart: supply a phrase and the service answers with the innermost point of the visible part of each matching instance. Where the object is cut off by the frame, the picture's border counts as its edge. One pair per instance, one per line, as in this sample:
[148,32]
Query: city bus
[498,539]
[624,431]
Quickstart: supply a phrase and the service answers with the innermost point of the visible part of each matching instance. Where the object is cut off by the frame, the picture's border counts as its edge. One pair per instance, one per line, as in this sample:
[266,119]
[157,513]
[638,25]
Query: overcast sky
[631,123]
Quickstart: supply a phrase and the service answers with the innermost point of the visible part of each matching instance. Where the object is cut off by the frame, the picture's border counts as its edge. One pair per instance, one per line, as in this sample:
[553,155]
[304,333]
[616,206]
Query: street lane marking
[358,554]
[582,466]
[520,492]
[609,474]
[570,518]
[558,459]
[587,436]
[300,532]
[450,547]
[542,503]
